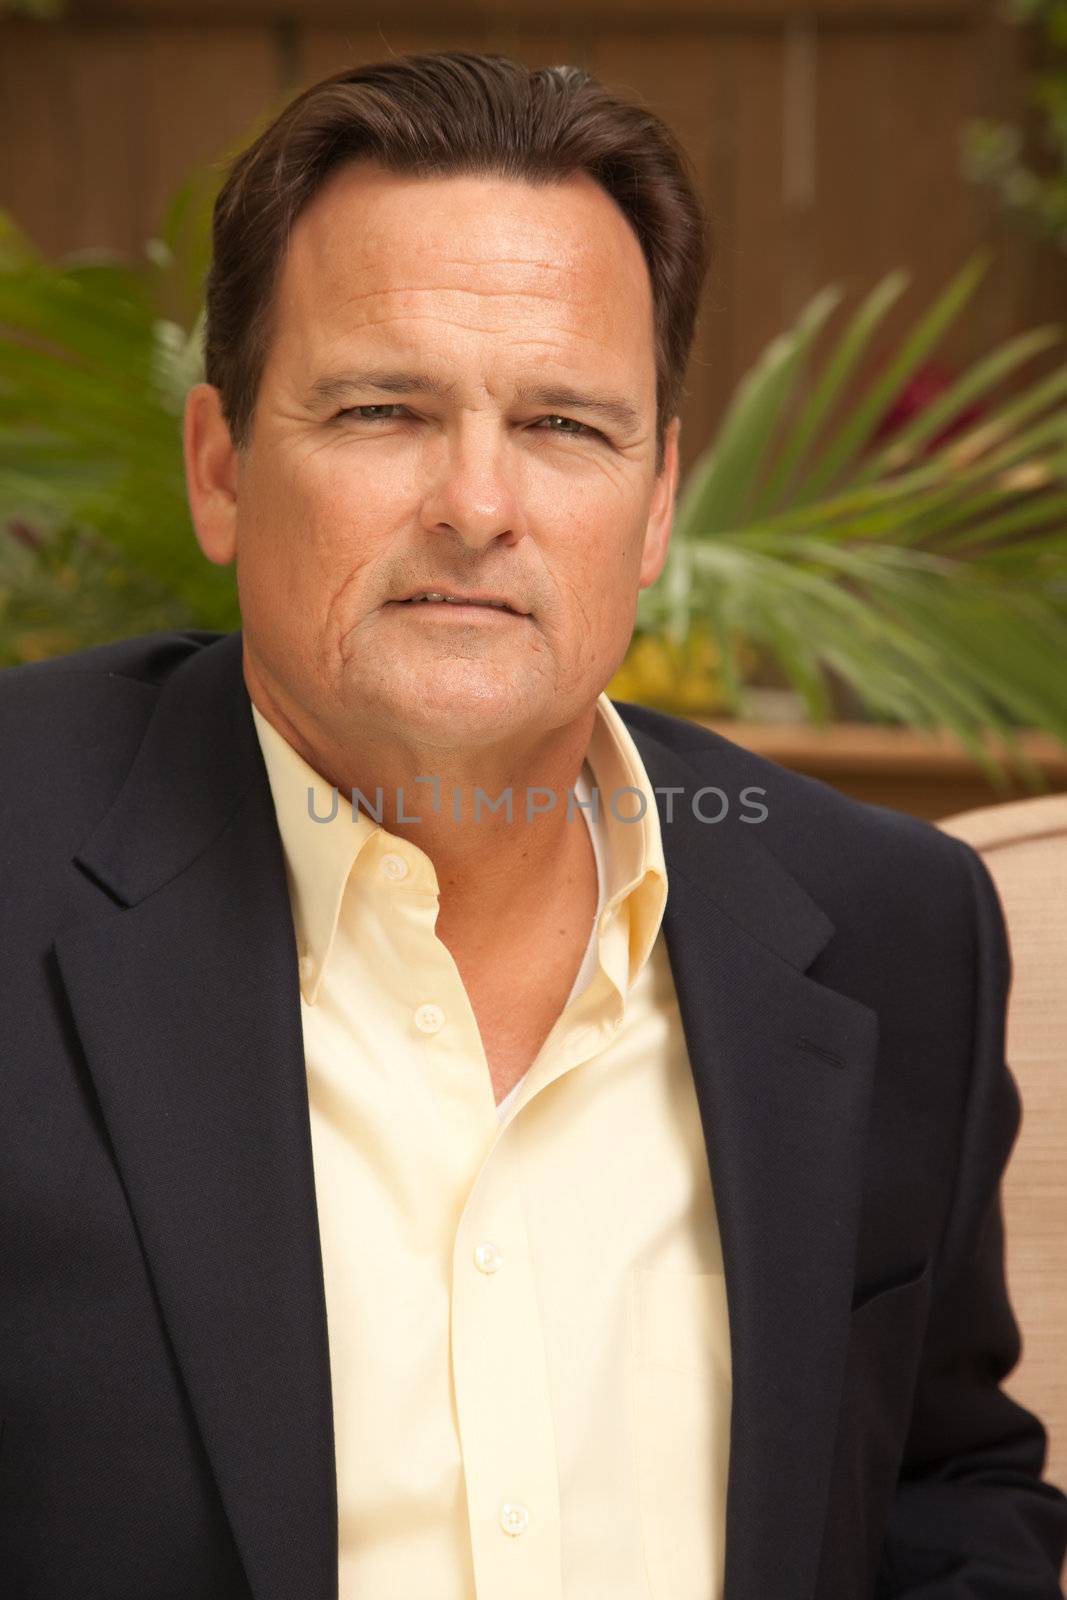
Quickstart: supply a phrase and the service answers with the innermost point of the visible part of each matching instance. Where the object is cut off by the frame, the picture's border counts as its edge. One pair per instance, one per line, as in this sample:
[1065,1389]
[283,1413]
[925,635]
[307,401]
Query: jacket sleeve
[972,1518]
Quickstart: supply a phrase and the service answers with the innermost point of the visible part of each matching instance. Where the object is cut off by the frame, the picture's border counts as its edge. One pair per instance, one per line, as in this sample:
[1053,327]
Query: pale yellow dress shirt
[527,1317]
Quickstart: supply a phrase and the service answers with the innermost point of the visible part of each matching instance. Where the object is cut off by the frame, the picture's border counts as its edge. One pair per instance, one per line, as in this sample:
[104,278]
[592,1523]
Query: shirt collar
[320,854]
[636,872]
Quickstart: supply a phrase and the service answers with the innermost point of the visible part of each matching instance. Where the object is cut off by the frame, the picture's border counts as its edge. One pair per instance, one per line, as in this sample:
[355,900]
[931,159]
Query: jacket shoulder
[832,842]
[70,726]
[147,658]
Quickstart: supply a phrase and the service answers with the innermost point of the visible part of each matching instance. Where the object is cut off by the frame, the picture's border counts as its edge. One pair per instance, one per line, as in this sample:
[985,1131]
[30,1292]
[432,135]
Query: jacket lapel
[783,1069]
[186,1001]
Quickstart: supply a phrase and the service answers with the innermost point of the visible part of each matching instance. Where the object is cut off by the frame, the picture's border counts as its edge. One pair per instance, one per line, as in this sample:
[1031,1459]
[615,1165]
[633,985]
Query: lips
[440,597]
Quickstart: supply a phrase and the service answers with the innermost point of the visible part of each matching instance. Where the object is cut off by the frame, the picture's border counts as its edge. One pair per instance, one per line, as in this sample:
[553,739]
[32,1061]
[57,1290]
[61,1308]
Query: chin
[446,710]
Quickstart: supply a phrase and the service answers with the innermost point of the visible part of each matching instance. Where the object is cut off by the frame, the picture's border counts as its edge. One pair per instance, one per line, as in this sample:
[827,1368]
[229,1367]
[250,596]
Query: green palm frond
[90,430]
[96,357]
[930,580]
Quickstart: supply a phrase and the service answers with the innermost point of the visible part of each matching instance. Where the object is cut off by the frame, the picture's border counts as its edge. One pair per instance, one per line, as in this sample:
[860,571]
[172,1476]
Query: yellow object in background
[686,678]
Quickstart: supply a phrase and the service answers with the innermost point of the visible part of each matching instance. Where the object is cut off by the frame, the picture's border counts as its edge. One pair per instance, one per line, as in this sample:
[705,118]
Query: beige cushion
[1024,846]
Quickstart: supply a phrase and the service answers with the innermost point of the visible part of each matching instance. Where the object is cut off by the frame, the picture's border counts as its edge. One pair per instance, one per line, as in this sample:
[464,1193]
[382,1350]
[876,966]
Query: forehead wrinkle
[542,338]
[510,261]
[467,327]
[450,289]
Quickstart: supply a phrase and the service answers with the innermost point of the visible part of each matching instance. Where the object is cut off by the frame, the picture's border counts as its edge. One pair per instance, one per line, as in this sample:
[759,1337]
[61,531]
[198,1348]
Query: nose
[473,493]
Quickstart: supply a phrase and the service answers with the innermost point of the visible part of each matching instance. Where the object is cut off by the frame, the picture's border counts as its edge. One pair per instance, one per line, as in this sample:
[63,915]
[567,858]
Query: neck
[494,868]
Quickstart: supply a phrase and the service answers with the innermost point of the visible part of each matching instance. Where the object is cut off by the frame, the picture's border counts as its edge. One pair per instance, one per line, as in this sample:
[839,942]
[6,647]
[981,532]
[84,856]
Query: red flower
[927,384]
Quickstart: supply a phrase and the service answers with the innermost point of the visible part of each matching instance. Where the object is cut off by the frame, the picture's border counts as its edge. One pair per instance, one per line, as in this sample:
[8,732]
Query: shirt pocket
[681,1396]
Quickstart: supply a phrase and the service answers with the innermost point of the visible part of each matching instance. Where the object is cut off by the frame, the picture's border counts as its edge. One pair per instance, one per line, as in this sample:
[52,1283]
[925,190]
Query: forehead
[399,260]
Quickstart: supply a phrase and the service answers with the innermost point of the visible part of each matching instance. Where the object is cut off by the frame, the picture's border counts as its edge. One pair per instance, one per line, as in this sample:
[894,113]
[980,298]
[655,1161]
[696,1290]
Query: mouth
[437,602]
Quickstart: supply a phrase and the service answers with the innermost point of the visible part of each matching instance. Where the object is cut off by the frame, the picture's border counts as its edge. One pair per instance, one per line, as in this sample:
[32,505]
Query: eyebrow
[612,408]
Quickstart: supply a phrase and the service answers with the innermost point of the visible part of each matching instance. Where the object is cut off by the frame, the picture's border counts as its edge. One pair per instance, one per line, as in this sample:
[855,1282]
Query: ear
[210,474]
[661,511]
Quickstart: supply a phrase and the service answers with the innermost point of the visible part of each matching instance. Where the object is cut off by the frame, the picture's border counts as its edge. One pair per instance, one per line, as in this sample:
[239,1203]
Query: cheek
[357,496]
[596,584]
[615,583]
[600,555]
[316,520]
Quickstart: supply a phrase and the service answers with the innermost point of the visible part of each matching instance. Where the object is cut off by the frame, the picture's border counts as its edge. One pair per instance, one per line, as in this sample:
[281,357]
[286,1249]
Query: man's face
[428,420]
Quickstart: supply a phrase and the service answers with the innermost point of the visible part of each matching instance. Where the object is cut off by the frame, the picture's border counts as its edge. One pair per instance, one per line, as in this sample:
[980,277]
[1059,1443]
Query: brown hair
[433,116]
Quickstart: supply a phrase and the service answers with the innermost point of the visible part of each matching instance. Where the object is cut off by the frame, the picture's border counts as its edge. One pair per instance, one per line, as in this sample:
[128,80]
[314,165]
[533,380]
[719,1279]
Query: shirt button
[514,1518]
[487,1257]
[394,867]
[429,1018]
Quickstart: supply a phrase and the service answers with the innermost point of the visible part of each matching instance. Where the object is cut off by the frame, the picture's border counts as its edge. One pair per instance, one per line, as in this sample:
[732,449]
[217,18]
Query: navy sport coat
[842,972]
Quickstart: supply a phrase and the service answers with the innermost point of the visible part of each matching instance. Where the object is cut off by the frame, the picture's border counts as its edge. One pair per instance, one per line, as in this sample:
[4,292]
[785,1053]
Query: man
[415,1183]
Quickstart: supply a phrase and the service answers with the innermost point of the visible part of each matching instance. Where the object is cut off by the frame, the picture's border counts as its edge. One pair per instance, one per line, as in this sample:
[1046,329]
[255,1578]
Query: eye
[361,412]
[576,429]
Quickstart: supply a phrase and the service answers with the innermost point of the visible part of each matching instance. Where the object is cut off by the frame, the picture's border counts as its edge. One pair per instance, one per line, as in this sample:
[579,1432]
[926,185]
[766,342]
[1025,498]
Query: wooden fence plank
[325,50]
[893,161]
[38,177]
[204,90]
[99,124]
